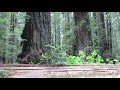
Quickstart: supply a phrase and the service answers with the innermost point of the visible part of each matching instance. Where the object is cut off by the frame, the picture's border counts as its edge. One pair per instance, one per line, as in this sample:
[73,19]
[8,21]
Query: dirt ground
[74,71]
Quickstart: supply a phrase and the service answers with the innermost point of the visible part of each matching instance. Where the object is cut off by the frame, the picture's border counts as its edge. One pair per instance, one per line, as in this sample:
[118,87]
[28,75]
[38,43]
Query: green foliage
[62,34]
[81,56]
[45,59]
[31,62]
[93,28]
[94,57]
[73,60]
[83,59]
[76,59]
[99,59]
[109,61]
[82,22]
[55,56]
[91,58]
[62,29]
[10,40]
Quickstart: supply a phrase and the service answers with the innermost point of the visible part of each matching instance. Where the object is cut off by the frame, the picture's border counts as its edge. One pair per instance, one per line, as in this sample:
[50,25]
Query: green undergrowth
[60,57]
[92,58]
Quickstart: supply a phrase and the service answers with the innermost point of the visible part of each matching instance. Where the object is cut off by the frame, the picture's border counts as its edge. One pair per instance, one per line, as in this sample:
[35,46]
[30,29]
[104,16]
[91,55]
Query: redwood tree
[36,33]
[81,33]
[102,34]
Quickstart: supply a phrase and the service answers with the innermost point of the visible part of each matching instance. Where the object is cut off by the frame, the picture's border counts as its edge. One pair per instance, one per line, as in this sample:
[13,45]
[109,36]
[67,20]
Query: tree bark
[81,33]
[37,32]
[102,37]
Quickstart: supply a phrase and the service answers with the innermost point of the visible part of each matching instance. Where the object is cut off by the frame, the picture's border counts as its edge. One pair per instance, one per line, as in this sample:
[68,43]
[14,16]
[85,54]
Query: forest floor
[54,71]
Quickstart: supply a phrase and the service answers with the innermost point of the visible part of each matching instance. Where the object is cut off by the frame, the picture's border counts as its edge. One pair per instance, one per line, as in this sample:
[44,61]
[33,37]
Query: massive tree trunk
[37,32]
[102,34]
[108,36]
[81,32]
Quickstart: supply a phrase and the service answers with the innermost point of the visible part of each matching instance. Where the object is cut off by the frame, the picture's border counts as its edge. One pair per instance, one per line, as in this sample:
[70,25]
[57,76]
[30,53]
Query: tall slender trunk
[12,37]
[55,29]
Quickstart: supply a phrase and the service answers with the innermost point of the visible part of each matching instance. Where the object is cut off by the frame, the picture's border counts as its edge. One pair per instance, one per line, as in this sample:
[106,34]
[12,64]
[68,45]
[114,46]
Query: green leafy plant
[31,62]
[76,59]
[81,56]
[91,58]
[109,61]
[99,59]
[94,58]
[45,58]
[73,60]
[55,56]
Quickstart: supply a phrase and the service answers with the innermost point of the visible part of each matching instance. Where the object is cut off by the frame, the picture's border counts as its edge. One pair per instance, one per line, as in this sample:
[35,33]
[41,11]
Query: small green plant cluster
[55,56]
[109,61]
[73,60]
[81,56]
[45,59]
[83,59]
[94,58]
[76,59]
